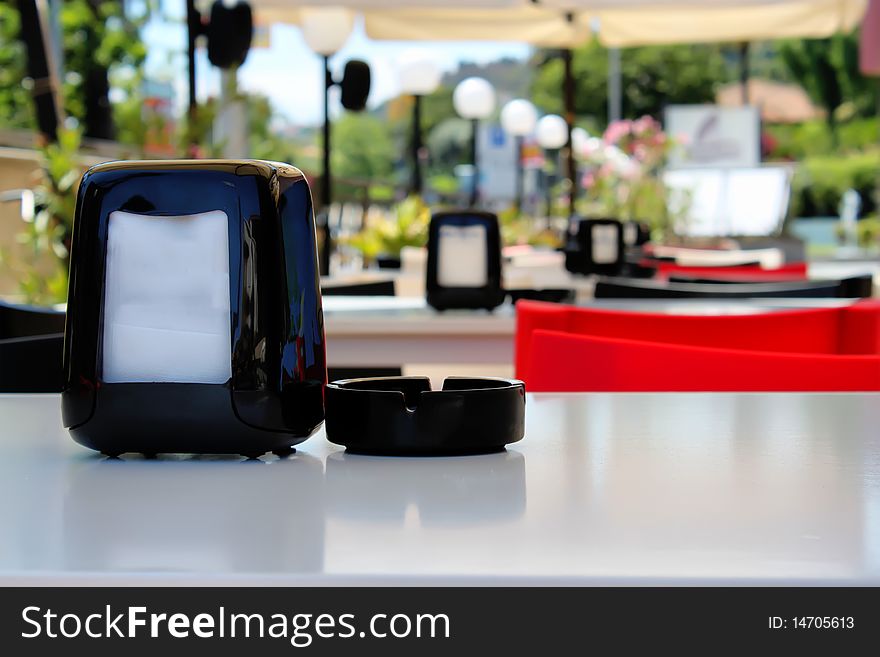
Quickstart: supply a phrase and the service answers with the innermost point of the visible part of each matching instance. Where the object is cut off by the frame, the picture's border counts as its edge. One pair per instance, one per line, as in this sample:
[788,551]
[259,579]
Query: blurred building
[779,102]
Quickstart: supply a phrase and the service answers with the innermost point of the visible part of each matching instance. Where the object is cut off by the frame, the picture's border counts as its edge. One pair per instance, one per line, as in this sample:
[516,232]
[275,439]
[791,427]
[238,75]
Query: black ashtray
[551,295]
[401,415]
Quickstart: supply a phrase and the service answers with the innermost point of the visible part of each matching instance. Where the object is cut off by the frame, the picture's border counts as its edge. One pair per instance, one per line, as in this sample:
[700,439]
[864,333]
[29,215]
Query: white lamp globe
[519,117]
[474,98]
[580,142]
[552,132]
[419,73]
[326,29]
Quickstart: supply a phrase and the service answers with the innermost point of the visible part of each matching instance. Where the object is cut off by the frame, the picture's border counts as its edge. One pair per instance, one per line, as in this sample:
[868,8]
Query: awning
[647,22]
[568,23]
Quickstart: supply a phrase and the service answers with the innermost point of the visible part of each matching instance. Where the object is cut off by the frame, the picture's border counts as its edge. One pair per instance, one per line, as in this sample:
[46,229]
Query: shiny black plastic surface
[274,398]
[579,249]
[402,415]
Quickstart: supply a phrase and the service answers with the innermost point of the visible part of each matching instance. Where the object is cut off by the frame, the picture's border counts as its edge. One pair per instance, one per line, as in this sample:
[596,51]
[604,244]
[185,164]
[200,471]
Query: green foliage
[449,143]
[516,228]
[443,184]
[51,230]
[867,233]
[829,71]
[16,110]
[266,144]
[652,77]
[363,152]
[820,182]
[384,235]
[436,108]
[795,141]
[198,132]
[97,34]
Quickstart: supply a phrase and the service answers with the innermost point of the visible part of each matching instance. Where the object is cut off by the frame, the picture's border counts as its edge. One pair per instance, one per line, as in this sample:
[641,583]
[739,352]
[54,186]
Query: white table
[383,331]
[604,489]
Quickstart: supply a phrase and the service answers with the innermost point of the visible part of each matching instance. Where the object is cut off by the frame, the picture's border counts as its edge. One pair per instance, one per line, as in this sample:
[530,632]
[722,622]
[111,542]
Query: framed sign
[714,136]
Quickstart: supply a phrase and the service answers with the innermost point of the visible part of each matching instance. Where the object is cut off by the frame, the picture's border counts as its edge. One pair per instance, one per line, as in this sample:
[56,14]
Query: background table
[604,489]
[383,331]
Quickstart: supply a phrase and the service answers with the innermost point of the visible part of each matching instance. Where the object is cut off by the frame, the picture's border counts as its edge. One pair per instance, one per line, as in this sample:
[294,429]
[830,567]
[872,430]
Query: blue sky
[290,74]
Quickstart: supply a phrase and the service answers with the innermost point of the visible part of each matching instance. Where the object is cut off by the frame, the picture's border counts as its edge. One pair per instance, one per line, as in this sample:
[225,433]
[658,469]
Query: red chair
[794,271]
[563,362]
[852,330]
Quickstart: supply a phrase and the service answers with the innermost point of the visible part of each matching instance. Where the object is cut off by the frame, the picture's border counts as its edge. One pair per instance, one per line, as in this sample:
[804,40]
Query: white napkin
[166,304]
[462,256]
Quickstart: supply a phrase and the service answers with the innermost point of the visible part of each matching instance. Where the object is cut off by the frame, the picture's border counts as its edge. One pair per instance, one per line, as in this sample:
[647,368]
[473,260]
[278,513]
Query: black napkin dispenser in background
[595,246]
[194,312]
[464,261]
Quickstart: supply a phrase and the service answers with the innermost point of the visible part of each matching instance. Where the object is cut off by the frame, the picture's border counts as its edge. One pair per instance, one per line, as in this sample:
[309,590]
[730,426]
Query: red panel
[821,332]
[562,362]
[793,271]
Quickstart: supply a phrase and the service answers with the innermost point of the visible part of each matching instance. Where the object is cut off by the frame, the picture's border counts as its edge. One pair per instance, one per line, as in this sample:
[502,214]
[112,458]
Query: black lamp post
[552,133]
[419,76]
[519,118]
[325,30]
[474,99]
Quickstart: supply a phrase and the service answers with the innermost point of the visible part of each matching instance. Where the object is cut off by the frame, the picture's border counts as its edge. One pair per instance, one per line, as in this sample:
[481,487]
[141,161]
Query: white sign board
[496,152]
[725,201]
[713,136]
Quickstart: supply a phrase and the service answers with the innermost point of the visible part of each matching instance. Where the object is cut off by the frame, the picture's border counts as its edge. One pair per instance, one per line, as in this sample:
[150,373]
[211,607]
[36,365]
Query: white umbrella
[625,23]
[567,23]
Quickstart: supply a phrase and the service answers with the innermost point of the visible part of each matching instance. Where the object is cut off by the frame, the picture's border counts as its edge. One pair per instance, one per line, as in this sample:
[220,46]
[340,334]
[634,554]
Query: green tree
[449,143]
[363,152]
[652,77]
[99,41]
[829,71]
[16,110]
[266,144]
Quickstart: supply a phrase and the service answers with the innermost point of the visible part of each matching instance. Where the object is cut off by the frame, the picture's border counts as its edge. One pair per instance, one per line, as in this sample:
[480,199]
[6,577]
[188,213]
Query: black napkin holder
[273,397]
[486,294]
[595,246]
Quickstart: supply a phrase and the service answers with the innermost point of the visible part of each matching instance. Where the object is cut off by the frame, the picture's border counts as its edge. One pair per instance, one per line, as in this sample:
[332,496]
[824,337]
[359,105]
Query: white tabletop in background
[604,489]
[359,315]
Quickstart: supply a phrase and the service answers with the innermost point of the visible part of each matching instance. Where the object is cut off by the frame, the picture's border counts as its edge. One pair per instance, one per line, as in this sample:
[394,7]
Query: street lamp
[519,118]
[325,31]
[552,134]
[474,99]
[419,76]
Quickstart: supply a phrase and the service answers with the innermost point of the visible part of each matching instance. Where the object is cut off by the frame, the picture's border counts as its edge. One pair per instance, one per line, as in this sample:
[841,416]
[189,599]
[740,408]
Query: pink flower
[629,170]
[588,180]
[644,125]
[617,130]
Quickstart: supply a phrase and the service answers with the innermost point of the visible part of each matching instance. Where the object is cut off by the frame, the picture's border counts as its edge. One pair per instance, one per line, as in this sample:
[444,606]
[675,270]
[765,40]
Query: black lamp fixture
[552,134]
[474,99]
[419,76]
[229,29]
[325,30]
[519,118]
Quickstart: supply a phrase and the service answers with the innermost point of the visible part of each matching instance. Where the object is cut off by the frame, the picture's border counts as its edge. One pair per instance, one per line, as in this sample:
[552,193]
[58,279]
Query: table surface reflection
[604,489]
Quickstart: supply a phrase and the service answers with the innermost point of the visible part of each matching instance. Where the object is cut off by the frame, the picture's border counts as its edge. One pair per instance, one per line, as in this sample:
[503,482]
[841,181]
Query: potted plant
[383,236]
